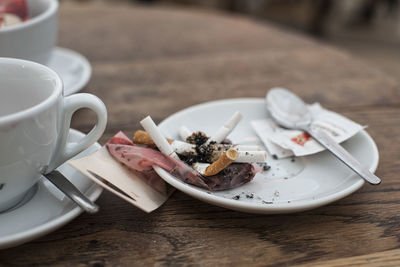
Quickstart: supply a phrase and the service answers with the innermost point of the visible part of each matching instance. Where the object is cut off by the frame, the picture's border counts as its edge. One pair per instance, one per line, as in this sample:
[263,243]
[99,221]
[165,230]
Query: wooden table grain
[152,60]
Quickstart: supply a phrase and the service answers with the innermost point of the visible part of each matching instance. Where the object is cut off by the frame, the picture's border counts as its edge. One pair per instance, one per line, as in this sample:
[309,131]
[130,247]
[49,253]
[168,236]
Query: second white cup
[35,38]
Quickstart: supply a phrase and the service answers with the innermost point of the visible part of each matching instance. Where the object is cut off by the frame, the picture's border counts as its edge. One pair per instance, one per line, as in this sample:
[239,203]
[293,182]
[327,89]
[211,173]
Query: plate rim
[256,207]
[85,77]
[93,193]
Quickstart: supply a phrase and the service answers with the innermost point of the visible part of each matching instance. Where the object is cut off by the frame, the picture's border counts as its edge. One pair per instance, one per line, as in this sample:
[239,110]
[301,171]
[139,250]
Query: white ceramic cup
[35,38]
[35,120]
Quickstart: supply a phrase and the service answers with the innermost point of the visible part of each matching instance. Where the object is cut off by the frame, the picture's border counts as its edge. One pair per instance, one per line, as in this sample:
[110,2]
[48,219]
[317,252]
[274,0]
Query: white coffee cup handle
[71,104]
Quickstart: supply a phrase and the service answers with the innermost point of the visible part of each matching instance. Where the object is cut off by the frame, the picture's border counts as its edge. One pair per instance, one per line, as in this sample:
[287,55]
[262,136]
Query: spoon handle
[62,183]
[342,154]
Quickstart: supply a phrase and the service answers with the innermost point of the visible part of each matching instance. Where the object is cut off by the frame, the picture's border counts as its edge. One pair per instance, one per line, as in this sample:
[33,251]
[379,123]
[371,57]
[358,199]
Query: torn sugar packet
[285,143]
[145,192]
[265,128]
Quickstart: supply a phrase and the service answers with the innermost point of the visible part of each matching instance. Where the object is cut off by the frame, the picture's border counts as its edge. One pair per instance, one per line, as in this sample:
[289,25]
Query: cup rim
[43,105]
[51,9]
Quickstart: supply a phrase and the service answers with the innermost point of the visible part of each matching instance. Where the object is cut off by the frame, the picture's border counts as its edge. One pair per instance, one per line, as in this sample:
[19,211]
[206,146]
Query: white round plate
[288,186]
[44,208]
[73,68]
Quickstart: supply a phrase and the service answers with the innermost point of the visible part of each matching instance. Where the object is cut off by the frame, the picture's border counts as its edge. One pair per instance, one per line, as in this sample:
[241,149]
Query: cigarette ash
[197,138]
[264,166]
[226,142]
[250,196]
[244,195]
[284,168]
[267,202]
[204,153]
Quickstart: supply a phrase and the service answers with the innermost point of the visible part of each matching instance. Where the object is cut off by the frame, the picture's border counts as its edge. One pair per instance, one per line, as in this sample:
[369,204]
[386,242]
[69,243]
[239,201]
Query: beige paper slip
[103,169]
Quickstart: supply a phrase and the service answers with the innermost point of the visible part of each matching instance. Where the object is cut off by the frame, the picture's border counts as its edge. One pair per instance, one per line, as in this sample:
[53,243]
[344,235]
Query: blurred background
[369,29]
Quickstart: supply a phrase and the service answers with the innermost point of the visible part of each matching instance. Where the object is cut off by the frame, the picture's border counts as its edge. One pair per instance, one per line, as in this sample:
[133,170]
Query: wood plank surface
[150,60]
[386,258]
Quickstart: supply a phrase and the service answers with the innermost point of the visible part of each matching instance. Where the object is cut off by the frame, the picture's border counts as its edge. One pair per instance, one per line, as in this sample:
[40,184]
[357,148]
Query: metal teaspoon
[288,110]
[65,186]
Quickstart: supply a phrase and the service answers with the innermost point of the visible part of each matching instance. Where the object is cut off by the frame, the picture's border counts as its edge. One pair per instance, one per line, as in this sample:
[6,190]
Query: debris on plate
[211,163]
[125,167]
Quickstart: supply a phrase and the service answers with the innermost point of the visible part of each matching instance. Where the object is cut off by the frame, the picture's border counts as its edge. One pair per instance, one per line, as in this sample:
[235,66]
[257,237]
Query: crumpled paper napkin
[285,143]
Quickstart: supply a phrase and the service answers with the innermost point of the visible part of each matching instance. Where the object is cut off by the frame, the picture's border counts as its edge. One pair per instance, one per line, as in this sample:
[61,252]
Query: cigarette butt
[200,167]
[184,132]
[244,156]
[183,147]
[246,148]
[251,156]
[158,138]
[233,121]
[143,138]
[227,128]
[224,161]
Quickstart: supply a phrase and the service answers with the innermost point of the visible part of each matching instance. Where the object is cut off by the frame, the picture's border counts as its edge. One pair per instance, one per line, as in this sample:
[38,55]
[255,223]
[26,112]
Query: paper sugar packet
[285,143]
[105,170]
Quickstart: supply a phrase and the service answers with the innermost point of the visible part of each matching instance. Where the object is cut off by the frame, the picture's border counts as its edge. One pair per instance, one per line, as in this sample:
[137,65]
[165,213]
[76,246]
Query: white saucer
[306,183]
[74,69]
[42,211]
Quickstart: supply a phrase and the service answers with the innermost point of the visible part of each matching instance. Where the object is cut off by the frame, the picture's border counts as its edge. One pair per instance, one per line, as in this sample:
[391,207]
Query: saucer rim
[83,61]
[258,208]
[93,193]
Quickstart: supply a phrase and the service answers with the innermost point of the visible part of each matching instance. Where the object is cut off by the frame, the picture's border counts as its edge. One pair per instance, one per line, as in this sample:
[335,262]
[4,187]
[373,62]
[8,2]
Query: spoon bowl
[288,110]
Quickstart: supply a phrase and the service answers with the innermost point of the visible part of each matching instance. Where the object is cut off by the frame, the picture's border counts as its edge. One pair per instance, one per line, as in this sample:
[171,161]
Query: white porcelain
[35,38]
[43,211]
[308,182]
[34,122]
[73,68]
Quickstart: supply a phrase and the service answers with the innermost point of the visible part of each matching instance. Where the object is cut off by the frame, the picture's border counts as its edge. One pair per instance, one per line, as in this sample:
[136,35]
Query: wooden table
[150,60]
